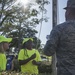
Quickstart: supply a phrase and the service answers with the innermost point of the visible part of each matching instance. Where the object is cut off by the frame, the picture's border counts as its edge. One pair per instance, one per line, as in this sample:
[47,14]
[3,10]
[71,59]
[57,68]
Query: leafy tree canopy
[18,22]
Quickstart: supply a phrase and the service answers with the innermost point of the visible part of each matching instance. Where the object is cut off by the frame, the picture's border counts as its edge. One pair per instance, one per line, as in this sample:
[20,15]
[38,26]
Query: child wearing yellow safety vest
[4,45]
[29,58]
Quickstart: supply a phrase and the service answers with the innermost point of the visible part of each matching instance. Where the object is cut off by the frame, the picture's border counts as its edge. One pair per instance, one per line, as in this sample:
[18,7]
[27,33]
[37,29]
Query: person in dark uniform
[62,41]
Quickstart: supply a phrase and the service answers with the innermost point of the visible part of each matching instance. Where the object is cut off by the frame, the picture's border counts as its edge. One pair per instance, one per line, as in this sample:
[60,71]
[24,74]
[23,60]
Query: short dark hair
[72,11]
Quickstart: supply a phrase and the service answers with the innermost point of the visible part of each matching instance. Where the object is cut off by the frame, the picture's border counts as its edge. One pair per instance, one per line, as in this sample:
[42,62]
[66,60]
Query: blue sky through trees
[47,27]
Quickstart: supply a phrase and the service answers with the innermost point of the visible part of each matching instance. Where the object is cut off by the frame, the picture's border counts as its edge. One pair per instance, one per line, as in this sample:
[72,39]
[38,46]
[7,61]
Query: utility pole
[54,11]
[54,23]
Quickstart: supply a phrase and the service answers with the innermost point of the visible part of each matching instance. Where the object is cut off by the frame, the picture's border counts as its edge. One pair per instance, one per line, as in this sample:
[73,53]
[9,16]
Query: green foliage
[17,22]
[19,73]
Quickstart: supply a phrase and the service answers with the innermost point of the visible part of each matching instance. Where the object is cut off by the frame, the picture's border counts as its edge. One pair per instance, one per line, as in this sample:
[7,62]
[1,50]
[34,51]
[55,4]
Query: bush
[45,69]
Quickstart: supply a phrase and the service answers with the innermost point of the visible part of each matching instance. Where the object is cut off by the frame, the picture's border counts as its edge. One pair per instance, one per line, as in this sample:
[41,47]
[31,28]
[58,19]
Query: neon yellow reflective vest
[3,61]
[29,67]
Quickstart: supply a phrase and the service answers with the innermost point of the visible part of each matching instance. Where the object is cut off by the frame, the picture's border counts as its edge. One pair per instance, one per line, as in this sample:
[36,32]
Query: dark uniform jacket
[62,41]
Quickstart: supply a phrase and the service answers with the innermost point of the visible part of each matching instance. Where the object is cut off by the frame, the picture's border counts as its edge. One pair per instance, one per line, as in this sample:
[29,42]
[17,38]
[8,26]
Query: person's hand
[34,62]
[33,56]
